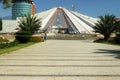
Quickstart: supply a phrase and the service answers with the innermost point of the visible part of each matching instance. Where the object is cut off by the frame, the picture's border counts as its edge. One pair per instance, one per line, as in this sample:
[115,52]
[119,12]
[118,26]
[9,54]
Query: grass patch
[110,42]
[14,48]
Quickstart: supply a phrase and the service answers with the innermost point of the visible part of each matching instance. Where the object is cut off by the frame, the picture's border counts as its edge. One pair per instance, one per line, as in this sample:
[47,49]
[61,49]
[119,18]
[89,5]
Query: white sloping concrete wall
[45,16]
[87,19]
[80,25]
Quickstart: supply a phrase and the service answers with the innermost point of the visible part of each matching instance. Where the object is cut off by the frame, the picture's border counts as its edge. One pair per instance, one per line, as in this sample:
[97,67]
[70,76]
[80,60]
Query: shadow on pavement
[114,53]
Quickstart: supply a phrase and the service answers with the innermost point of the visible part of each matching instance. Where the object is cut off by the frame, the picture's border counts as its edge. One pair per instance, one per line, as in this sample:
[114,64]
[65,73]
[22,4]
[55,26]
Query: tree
[6,3]
[29,23]
[106,25]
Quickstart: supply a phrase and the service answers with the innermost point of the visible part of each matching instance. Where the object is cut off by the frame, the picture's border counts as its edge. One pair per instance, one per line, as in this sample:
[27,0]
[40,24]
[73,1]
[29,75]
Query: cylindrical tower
[20,8]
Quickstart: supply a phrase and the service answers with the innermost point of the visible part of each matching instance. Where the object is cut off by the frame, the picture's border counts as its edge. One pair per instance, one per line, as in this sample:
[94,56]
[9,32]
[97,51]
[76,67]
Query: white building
[58,20]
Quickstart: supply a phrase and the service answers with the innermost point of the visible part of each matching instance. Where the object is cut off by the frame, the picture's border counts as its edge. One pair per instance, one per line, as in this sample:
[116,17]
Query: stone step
[62,60]
[84,63]
[75,71]
[60,77]
[56,58]
[60,54]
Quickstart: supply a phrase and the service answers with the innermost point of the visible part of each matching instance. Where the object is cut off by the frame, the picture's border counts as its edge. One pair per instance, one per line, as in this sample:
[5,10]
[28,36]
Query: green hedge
[23,36]
[117,38]
[3,39]
[23,33]
[36,39]
[7,44]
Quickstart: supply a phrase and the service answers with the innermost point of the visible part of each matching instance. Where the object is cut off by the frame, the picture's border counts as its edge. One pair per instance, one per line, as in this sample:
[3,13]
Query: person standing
[45,36]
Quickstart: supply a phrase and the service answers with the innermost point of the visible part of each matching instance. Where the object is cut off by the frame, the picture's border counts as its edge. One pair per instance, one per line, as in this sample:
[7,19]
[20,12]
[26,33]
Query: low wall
[9,26]
[72,36]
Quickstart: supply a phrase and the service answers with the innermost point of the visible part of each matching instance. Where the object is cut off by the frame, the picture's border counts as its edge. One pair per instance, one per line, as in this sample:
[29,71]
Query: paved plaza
[62,60]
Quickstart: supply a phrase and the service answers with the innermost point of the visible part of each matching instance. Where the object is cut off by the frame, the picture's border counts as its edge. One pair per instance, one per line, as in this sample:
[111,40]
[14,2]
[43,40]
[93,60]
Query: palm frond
[30,23]
[106,25]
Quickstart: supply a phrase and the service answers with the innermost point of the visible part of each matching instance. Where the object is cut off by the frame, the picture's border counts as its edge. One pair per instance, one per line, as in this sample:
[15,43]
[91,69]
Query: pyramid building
[62,20]
[58,20]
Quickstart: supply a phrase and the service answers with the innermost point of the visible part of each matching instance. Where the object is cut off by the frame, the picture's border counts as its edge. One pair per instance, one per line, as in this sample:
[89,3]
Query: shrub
[23,36]
[117,38]
[3,39]
[23,33]
[7,45]
[36,39]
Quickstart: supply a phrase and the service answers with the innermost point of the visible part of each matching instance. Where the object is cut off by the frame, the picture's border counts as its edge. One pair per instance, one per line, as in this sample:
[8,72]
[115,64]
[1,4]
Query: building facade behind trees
[22,7]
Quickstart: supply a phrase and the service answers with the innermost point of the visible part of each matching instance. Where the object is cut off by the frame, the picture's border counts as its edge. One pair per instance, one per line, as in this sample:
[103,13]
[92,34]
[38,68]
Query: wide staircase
[62,60]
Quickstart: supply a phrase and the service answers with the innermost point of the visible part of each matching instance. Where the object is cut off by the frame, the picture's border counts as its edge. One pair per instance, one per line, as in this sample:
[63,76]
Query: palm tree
[106,25]
[29,23]
[6,3]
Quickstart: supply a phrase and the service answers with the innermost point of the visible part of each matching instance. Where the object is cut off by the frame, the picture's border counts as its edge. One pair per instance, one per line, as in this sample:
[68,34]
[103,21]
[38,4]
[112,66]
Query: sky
[93,8]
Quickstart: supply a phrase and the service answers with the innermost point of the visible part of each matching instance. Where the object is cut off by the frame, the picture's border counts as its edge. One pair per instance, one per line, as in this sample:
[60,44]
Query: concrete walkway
[62,60]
